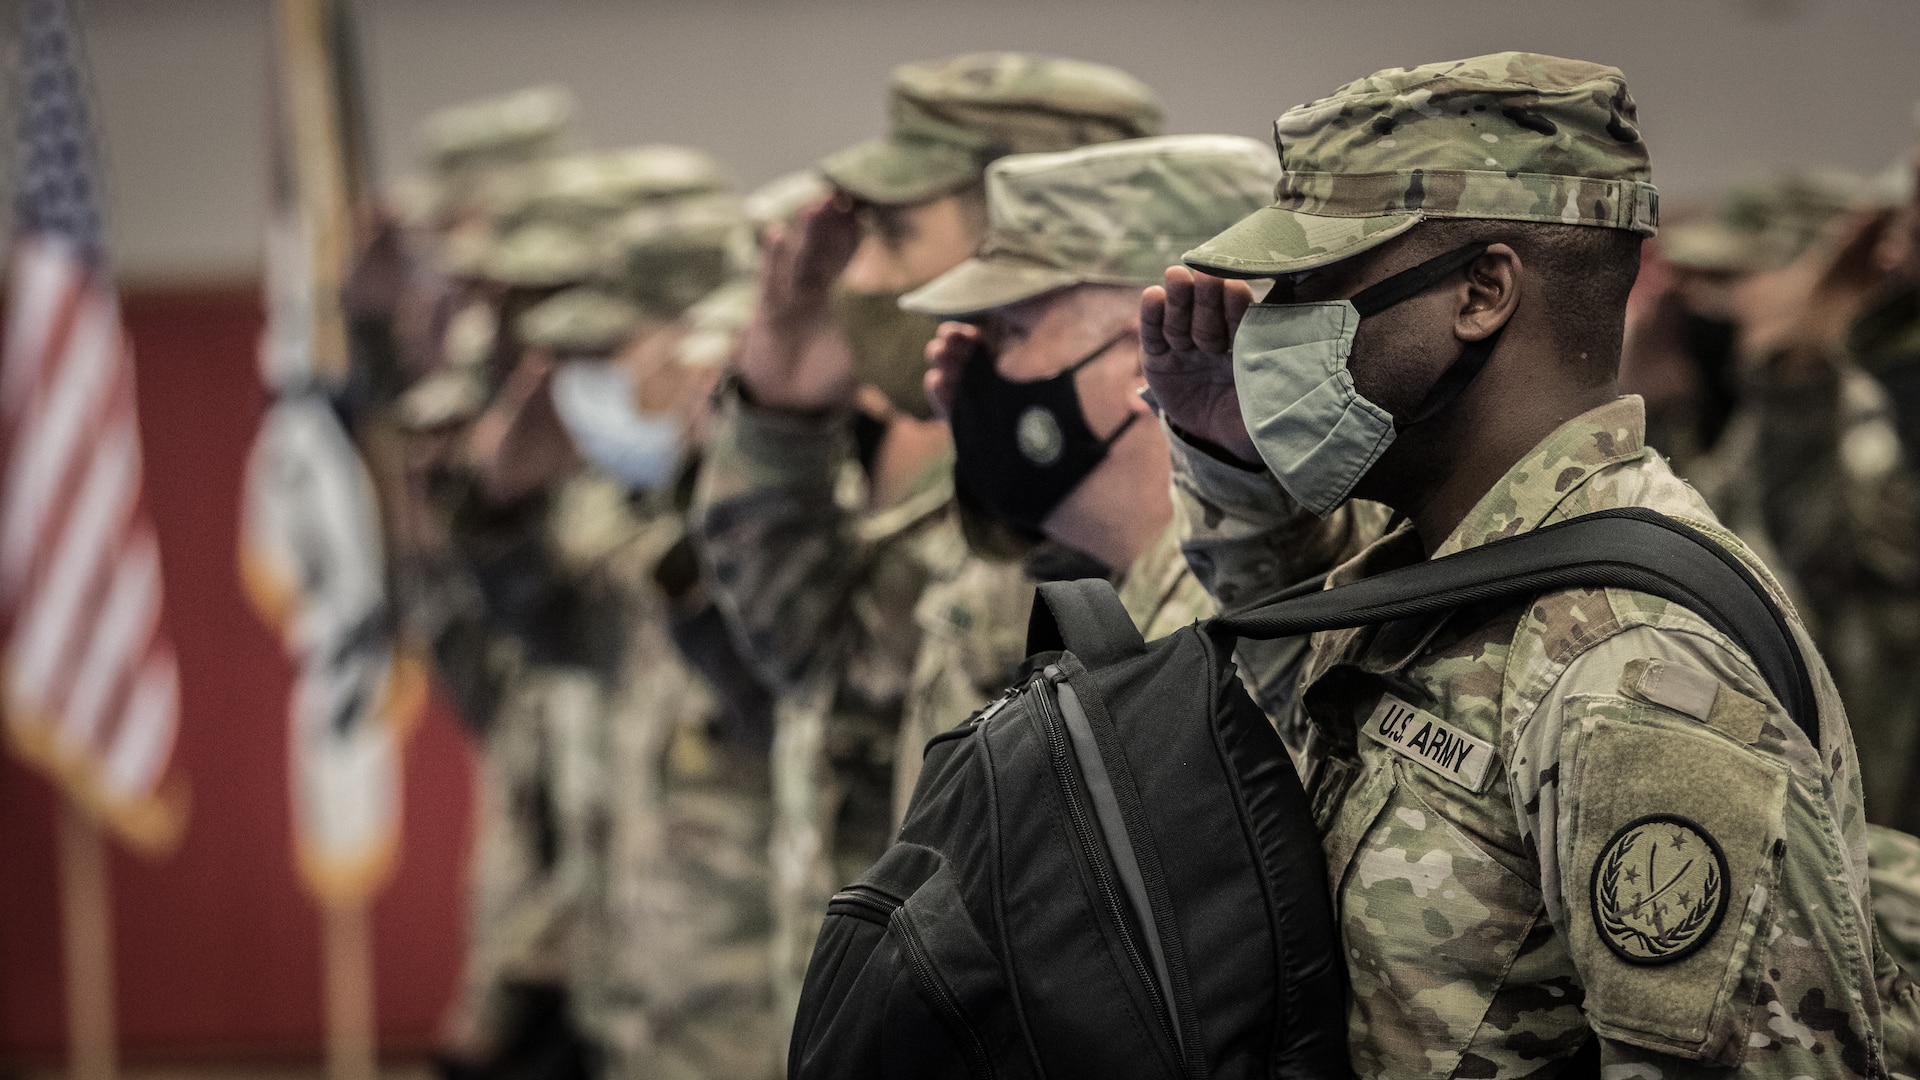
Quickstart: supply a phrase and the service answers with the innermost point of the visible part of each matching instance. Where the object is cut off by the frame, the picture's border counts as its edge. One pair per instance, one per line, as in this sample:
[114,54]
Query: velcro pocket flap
[1672,864]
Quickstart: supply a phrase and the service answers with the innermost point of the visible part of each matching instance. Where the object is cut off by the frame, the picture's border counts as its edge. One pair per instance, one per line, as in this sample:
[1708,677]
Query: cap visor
[895,171]
[1273,240]
[979,285]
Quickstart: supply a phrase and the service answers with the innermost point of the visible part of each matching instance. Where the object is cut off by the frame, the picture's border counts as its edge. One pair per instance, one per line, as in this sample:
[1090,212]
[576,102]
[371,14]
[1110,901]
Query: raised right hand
[792,356]
[954,345]
[1186,334]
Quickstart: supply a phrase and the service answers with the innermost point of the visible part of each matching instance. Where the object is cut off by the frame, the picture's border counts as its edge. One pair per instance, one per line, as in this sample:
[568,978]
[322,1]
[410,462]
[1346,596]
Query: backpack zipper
[1062,755]
[979,1062]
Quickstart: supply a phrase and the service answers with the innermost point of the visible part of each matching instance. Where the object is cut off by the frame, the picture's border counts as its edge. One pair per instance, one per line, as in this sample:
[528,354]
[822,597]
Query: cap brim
[891,171]
[439,399]
[1707,247]
[1275,240]
[980,285]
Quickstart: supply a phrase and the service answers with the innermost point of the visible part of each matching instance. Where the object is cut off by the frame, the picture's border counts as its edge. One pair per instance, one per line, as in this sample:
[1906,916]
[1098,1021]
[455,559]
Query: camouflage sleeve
[1894,875]
[781,550]
[442,610]
[1696,858]
[1246,540]
[1894,871]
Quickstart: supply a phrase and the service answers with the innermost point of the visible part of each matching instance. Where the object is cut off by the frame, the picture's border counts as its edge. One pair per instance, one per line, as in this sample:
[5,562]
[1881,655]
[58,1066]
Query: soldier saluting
[1653,869]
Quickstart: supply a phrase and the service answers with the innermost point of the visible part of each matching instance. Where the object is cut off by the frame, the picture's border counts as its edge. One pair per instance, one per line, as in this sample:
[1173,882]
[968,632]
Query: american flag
[89,681]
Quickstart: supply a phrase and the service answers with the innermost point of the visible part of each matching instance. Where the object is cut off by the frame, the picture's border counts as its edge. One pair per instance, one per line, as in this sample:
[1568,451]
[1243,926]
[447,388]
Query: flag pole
[107,746]
[352,1038]
[86,921]
[322,158]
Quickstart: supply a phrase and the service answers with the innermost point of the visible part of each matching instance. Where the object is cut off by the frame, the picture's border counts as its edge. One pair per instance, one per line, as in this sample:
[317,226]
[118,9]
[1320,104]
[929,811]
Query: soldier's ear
[1492,293]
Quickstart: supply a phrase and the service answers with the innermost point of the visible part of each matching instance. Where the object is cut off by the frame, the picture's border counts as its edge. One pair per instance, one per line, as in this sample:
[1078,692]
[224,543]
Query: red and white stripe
[86,668]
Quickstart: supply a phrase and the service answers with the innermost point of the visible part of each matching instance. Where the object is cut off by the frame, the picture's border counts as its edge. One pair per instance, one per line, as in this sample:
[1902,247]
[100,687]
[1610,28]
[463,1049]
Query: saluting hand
[953,346]
[1186,333]
[792,356]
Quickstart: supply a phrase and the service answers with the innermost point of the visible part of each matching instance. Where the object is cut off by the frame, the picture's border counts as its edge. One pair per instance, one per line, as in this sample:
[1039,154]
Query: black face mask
[1022,447]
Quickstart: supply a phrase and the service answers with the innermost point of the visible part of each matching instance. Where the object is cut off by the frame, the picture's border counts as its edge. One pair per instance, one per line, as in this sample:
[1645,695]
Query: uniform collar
[1538,484]
[1526,497]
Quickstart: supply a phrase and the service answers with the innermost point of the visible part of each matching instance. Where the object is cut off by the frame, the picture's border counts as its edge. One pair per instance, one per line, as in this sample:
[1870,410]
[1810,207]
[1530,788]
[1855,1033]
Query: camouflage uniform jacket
[1160,591]
[821,597]
[1894,869]
[1810,474]
[973,635]
[537,784]
[673,980]
[1583,816]
[973,638]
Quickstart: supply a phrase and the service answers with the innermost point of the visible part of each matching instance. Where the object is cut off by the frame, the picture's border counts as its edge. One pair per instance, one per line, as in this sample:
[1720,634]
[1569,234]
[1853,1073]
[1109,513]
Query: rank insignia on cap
[1659,889]
[1041,440]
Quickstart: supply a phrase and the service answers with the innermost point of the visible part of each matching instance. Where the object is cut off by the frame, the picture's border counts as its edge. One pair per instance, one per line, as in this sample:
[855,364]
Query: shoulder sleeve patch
[1673,846]
[1659,889]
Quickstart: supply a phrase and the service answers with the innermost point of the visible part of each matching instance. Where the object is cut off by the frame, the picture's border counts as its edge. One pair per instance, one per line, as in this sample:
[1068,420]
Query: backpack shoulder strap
[1084,617]
[1629,548]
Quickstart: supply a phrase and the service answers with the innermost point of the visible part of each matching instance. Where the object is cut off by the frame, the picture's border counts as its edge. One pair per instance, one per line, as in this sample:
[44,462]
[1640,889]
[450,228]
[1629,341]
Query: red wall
[217,947]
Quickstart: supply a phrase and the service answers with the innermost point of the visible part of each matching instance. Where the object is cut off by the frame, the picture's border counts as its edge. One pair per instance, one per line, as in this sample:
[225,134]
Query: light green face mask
[1315,430]
[889,346]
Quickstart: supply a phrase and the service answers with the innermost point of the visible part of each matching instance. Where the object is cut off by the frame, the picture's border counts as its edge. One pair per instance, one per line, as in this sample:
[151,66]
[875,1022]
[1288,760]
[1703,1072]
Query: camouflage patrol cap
[1113,214]
[716,323]
[588,189]
[949,118]
[542,255]
[464,252]
[448,396]
[1893,185]
[1510,136]
[778,200]
[1766,223]
[412,199]
[669,254]
[581,321]
[519,127]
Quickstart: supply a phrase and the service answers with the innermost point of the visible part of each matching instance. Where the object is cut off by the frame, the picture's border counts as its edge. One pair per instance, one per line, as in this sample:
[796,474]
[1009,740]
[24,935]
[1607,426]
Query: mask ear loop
[1453,381]
[1410,283]
[1414,280]
[1095,354]
[1106,443]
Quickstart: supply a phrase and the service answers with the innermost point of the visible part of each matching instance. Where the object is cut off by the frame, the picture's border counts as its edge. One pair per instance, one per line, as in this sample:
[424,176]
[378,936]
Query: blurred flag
[91,688]
[311,551]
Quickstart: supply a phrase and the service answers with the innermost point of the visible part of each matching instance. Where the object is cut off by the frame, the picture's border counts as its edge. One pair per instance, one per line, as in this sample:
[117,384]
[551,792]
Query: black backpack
[1112,871]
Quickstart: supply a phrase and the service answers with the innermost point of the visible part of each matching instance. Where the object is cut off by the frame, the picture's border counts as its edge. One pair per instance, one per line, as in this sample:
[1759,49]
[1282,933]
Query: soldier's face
[1397,353]
[904,247]
[1042,337]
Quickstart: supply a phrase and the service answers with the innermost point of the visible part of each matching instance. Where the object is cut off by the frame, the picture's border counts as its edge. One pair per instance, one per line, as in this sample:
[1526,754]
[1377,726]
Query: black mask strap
[1090,358]
[1454,380]
[1095,354]
[1410,283]
[1414,280]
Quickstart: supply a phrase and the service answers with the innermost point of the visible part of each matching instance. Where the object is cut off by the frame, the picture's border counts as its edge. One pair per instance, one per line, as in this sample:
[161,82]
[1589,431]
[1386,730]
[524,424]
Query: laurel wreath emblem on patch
[1039,436]
[1659,889]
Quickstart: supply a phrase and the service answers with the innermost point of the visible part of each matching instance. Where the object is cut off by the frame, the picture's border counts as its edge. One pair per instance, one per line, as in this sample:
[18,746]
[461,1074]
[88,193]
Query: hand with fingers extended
[792,356]
[953,346]
[1186,333]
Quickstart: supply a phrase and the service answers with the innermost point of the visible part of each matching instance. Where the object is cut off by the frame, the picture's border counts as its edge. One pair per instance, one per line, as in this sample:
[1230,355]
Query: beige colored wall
[1726,87]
